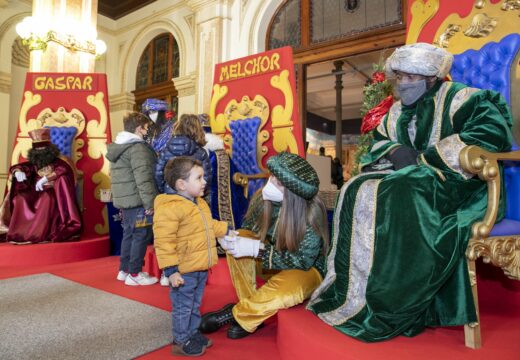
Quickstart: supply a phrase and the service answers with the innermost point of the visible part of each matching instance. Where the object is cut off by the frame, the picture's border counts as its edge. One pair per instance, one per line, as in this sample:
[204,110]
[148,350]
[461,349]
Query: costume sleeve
[479,118]
[142,161]
[303,259]
[383,140]
[220,228]
[165,226]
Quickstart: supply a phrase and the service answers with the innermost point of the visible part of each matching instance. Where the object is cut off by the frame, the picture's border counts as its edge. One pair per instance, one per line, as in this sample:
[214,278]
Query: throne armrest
[243,180]
[483,163]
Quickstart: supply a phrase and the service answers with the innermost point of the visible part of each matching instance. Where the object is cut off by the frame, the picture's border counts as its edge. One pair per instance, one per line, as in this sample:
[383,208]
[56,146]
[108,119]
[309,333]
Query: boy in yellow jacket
[185,246]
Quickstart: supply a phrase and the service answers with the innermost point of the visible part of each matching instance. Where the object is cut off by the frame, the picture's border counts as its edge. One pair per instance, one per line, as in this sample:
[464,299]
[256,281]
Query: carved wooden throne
[495,66]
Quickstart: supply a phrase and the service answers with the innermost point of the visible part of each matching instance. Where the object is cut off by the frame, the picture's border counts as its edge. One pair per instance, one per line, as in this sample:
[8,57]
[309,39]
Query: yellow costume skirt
[283,289]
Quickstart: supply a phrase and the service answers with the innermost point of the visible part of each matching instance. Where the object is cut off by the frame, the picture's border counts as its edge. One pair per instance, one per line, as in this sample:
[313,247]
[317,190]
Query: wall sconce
[36,36]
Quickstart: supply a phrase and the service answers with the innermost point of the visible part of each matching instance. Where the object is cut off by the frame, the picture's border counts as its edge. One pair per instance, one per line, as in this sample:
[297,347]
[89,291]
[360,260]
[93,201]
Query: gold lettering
[39,83]
[274,61]
[233,71]
[87,83]
[77,84]
[70,82]
[224,75]
[246,68]
[49,84]
[256,66]
[240,71]
[263,65]
[60,85]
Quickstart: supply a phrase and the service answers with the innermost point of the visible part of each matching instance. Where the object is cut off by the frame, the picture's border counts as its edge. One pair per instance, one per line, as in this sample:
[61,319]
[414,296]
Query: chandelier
[36,34]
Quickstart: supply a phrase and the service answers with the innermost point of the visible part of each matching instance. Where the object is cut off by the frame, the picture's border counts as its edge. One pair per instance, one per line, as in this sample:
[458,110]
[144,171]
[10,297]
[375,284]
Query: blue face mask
[412,91]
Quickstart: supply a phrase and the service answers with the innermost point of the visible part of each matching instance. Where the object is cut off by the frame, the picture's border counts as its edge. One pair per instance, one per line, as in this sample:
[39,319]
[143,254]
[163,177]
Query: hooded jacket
[132,163]
[180,145]
[184,233]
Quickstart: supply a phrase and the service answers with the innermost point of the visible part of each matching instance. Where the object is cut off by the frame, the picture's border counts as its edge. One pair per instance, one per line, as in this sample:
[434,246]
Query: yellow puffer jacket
[184,233]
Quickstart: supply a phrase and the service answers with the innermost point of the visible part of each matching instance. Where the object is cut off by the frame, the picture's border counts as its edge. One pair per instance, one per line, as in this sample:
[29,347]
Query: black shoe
[214,320]
[202,339]
[236,331]
[189,348]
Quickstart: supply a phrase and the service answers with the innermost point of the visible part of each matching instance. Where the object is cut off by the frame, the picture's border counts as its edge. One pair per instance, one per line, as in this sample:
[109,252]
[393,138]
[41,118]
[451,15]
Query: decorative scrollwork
[503,252]
[481,26]
[509,5]
[479,4]
[444,39]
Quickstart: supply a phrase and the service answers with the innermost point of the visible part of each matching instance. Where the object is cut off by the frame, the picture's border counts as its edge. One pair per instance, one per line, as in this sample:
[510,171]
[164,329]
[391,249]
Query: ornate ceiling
[115,9]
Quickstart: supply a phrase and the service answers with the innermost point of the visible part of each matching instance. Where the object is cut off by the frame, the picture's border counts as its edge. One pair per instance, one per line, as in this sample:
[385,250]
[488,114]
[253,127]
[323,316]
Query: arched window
[159,63]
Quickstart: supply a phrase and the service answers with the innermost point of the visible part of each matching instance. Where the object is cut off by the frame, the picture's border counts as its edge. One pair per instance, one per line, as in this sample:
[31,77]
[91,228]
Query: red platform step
[53,253]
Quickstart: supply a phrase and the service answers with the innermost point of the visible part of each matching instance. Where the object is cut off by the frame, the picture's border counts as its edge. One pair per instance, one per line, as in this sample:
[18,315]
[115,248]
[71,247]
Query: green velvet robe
[397,262]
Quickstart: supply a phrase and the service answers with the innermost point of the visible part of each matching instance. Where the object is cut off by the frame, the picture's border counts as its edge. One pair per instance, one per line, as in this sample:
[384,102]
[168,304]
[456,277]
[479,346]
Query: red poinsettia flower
[378,77]
[373,117]
[169,115]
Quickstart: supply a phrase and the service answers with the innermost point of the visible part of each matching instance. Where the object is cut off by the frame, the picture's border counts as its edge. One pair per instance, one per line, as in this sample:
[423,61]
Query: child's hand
[176,279]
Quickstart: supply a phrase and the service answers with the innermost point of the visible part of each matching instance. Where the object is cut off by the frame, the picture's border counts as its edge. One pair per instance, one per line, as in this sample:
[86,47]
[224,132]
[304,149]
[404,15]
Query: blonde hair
[189,125]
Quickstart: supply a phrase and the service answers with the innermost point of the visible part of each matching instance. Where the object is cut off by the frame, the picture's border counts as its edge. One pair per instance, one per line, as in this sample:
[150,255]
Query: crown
[40,137]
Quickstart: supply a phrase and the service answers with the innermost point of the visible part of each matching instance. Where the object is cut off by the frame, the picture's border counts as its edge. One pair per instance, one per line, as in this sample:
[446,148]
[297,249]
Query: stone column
[5,149]
[338,72]
[210,17]
[64,18]
[186,93]
[120,105]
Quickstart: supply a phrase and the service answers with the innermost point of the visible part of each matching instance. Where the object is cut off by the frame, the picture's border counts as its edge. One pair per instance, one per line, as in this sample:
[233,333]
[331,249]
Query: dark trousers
[186,301]
[135,240]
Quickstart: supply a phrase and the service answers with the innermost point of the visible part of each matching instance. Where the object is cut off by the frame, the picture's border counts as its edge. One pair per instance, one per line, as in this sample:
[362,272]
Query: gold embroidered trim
[391,122]
[437,171]
[439,100]
[459,99]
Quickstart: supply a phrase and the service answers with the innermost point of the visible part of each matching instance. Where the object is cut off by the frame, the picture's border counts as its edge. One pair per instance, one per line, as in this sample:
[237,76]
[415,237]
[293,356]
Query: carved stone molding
[503,252]
[5,83]
[197,5]
[185,85]
[190,20]
[122,102]
[4,3]
[20,54]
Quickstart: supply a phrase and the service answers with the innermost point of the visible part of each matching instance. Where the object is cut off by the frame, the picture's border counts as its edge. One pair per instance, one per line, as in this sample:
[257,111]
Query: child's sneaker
[189,348]
[205,341]
[140,279]
[164,280]
[121,275]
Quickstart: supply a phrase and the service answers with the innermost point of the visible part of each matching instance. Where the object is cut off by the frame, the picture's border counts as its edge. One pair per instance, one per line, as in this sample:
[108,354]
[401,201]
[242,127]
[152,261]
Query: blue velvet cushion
[63,138]
[490,68]
[244,133]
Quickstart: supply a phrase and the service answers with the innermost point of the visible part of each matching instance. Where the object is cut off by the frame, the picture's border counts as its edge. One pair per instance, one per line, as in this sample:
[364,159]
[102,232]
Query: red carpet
[298,334]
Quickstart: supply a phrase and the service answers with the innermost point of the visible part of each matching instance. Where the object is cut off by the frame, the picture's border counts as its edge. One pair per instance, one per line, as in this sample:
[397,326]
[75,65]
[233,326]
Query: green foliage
[374,92]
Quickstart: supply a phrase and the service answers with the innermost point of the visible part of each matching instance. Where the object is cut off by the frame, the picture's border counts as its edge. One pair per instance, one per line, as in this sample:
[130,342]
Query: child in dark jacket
[132,162]
[186,248]
[188,140]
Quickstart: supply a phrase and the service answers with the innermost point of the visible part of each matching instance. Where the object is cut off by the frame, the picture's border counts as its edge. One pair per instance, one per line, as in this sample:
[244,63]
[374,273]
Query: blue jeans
[186,301]
[134,242]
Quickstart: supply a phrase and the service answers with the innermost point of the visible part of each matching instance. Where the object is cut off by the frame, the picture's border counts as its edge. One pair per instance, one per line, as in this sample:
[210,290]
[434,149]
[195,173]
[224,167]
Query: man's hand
[403,156]
[20,176]
[40,183]
[244,247]
[176,279]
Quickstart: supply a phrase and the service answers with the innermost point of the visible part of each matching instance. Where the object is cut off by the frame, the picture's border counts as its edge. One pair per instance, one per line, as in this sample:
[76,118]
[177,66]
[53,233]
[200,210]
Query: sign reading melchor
[250,67]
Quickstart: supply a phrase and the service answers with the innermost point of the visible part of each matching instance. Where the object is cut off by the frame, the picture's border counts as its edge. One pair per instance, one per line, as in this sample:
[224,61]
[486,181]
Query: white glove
[228,242]
[40,183]
[244,247]
[20,176]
